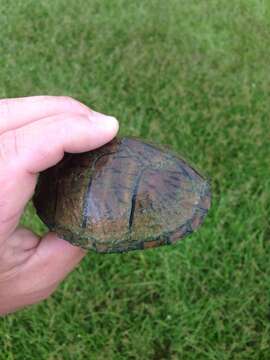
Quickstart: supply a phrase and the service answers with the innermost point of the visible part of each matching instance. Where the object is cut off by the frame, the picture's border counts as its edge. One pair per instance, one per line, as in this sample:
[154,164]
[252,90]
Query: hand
[34,134]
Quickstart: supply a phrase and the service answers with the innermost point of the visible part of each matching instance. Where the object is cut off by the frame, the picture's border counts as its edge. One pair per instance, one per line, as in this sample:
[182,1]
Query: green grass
[192,74]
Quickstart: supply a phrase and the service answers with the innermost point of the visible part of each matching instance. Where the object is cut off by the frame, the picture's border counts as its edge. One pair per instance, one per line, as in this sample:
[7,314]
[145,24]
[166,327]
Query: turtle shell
[126,195]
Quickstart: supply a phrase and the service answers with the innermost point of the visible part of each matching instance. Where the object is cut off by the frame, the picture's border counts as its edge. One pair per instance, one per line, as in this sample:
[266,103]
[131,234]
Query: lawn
[192,74]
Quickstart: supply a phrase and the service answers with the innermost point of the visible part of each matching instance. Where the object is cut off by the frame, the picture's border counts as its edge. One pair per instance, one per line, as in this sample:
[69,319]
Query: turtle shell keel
[126,195]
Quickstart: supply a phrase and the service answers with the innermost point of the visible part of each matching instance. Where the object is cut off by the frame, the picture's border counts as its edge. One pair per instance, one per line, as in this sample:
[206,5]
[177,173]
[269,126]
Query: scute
[123,196]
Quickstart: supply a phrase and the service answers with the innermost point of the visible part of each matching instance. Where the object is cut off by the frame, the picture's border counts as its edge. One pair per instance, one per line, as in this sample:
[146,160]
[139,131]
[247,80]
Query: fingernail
[104,121]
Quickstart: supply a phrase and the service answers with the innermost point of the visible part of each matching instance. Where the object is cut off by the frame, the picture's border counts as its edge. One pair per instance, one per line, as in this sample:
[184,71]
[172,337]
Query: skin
[34,134]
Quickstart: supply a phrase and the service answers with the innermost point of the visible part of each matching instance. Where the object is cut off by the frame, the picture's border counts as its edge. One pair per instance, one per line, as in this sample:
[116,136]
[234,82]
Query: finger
[52,261]
[18,112]
[42,144]
[23,240]
[20,246]
[57,257]
[40,275]
[37,146]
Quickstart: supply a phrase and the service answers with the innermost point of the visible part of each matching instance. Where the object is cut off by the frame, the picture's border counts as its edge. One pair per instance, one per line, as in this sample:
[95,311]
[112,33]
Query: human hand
[34,134]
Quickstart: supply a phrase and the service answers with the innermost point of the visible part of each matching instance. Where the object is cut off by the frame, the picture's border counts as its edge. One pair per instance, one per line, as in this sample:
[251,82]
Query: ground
[192,74]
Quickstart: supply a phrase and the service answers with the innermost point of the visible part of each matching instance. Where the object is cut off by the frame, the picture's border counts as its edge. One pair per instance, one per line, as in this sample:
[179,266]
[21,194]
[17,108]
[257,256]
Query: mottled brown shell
[123,196]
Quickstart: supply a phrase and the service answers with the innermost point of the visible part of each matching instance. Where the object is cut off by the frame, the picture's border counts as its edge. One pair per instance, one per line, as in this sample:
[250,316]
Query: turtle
[126,195]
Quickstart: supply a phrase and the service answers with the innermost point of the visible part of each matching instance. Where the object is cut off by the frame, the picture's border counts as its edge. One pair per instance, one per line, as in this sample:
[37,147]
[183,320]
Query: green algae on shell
[126,195]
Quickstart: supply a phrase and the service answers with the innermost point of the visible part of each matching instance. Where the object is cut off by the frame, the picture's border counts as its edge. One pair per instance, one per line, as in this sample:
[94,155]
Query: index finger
[18,112]
[33,148]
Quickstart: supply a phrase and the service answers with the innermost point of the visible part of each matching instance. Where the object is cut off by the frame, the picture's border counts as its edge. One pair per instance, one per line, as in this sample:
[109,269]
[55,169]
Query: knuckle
[24,233]
[67,124]
[5,108]
[73,105]
[40,99]
[7,257]
[40,290]
[70,102]
[50,291]
[45,294]
[8,219]
[9,145]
